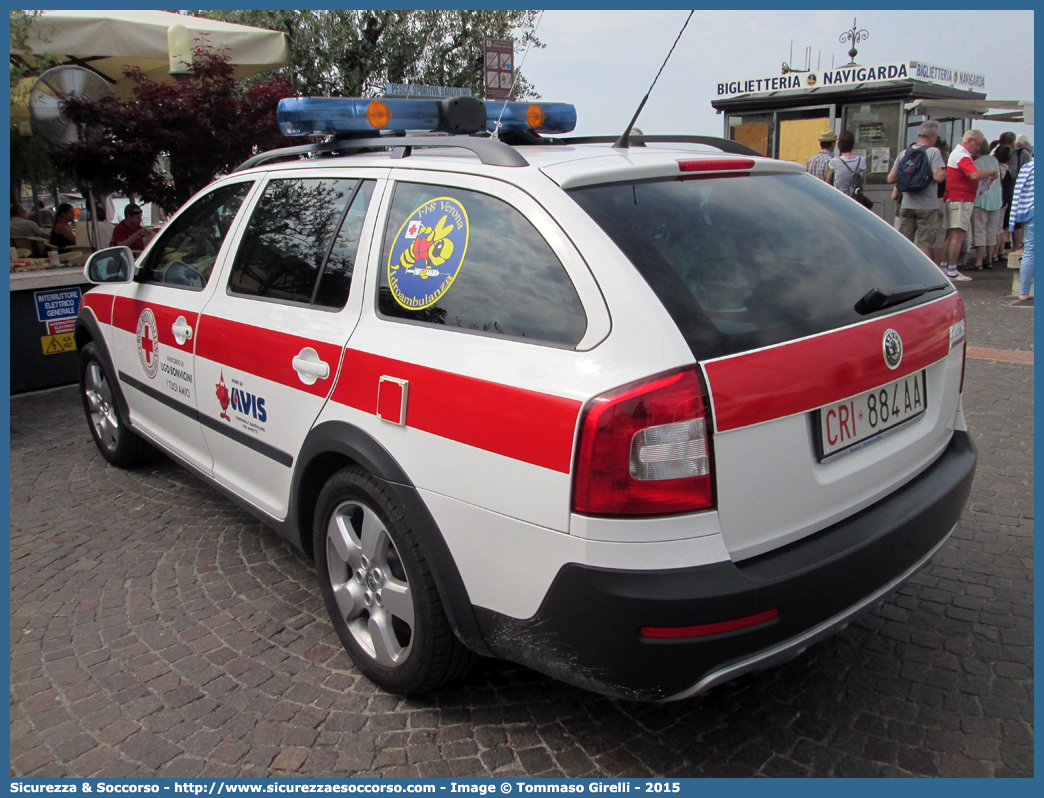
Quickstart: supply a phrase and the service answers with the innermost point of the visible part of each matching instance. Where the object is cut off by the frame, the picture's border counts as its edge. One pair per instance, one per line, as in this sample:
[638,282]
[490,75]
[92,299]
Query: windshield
[748,261]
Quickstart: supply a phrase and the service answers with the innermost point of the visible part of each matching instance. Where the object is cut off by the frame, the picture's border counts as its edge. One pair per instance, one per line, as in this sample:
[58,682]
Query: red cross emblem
[148,343]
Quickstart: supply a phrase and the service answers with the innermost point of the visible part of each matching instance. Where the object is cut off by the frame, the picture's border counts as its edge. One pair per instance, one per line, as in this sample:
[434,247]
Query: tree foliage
[202,127]
[352,53]
[22,63]
[30,158]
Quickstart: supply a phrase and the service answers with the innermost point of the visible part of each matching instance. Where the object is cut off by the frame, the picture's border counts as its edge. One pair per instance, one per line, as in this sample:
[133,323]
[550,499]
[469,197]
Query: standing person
[819,164]
[843,168]
[939,252]
[1022,211]
[962,185]
[919,214]
[43,215]
[129,232]
[1003,154]
[1020,158]
[986,212]
[22,225]
[1023,150]
[62,235]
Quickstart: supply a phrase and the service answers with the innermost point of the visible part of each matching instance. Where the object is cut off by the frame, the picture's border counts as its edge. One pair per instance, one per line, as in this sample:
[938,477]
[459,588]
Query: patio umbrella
[110,41]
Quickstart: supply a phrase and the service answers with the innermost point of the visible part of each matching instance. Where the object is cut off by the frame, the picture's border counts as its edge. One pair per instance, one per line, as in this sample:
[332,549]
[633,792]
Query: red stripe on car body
[521,424]
[127,311]
[100,304]
[802,375]
[262,352]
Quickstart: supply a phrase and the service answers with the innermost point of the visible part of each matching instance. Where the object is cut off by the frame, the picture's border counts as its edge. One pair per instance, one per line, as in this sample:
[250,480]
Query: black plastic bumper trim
[586,631]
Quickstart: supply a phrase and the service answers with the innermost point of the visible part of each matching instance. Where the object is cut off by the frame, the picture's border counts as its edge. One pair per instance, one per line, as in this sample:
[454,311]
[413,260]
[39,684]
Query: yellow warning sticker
[56,344]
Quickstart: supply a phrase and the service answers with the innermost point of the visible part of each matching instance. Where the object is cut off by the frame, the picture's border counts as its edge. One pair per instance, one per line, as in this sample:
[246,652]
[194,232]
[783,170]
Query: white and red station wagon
[642,416]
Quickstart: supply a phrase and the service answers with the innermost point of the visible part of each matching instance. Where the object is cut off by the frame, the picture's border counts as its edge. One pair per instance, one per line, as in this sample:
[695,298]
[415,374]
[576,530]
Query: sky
[604,61]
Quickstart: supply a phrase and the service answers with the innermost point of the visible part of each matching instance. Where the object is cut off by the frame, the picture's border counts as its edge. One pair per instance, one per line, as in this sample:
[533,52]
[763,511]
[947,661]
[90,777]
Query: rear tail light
[645,450]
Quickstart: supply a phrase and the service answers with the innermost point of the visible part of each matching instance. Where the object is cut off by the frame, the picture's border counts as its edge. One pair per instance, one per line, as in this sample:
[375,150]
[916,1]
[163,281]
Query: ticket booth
[783,116]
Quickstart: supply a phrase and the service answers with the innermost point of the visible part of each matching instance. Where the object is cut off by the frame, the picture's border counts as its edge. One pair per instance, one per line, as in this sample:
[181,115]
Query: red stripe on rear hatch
[525,425]
[802,375]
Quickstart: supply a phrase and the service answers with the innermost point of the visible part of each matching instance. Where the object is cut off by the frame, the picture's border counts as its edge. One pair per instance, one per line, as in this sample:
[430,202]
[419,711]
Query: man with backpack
[918,171]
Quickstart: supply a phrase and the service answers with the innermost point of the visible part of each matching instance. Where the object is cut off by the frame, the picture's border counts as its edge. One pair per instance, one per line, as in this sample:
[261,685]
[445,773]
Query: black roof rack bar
[490,152]
[725,145]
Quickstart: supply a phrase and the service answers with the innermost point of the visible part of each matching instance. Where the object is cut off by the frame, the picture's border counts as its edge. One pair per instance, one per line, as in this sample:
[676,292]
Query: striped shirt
[819,163]
[1022,201]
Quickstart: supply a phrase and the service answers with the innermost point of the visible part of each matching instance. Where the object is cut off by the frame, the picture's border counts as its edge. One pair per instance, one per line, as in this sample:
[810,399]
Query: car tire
[117,443]
[379,590]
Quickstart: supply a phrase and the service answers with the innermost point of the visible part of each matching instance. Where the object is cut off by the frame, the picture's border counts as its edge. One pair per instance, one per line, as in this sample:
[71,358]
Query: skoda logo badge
[893,349]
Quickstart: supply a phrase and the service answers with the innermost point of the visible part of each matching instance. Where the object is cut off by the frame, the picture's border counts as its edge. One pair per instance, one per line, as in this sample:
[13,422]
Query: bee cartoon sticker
[427,253]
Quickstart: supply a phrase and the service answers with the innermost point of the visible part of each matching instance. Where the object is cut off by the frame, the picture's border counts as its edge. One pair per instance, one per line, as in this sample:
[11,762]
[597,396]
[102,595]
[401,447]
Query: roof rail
[490,152]
[725,145]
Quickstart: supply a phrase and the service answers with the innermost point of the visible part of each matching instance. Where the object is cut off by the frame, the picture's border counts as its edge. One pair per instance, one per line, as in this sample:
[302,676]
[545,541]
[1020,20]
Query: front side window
[185,254]
[290,236]
[465,260]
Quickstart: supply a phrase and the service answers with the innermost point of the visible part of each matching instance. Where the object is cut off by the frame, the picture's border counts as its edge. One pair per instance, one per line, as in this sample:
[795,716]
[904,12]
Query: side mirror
[113,265]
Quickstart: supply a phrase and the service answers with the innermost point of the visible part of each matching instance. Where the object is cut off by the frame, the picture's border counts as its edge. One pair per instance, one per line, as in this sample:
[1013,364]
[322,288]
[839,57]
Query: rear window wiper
[880,298]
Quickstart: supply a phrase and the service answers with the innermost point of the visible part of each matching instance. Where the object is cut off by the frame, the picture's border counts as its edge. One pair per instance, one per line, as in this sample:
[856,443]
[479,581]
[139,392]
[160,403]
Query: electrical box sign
[61,303]
[499,68]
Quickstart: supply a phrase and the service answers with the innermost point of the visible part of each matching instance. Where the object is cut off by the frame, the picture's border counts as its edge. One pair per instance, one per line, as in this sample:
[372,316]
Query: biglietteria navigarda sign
[852,76]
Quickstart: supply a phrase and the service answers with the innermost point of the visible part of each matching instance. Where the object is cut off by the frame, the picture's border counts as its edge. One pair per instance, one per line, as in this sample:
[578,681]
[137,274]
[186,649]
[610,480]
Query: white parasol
[108,42]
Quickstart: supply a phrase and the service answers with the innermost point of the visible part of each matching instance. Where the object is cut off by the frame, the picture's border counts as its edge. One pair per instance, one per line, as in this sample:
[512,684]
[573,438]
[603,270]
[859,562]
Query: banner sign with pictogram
[499,68]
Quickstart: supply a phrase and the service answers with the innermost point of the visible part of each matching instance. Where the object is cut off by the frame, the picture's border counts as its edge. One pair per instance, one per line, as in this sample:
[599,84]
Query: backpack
[913,171]
[1007,186]
[855,187]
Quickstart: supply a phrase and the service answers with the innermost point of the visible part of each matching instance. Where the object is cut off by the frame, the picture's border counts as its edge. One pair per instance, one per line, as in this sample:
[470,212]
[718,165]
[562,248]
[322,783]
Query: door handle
[182,331]
[309,367]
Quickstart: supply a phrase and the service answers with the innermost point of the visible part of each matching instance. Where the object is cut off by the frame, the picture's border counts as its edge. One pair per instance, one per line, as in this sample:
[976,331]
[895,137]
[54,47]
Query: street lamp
[855,35]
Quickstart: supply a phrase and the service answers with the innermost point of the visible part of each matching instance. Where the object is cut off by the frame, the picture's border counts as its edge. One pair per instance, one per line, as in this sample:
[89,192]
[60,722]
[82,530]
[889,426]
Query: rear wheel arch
[335,445]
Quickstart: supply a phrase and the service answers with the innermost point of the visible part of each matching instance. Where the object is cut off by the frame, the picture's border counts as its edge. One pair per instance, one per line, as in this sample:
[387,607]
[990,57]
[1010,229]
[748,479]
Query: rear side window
[744,262]
[468,261]
[300,243]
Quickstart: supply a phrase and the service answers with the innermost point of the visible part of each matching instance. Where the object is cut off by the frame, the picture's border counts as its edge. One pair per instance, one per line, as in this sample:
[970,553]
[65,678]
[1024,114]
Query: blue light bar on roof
[538,117]
[298,116]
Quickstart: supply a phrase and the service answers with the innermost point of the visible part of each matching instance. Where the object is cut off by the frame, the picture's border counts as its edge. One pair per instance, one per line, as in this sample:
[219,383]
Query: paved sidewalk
[157,630]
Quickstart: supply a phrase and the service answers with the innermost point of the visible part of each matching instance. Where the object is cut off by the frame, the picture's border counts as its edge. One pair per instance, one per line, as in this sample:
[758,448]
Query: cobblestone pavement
[157,630]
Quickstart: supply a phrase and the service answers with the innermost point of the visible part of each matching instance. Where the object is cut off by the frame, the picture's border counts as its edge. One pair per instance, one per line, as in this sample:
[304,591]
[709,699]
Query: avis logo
[246,403]
[249,405]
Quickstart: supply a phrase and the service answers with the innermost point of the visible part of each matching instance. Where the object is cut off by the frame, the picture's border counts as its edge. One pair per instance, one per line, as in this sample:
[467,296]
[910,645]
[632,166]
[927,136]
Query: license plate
[863,420]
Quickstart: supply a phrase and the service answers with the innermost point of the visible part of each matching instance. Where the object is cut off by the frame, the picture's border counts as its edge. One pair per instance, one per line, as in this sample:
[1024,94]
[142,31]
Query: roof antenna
[622,142]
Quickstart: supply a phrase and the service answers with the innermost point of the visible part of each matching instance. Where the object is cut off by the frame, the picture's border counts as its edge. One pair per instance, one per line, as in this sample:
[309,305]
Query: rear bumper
[587,629]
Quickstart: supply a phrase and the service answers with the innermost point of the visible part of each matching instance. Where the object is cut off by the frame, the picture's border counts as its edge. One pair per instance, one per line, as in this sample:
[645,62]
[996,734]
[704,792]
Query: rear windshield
[748,261]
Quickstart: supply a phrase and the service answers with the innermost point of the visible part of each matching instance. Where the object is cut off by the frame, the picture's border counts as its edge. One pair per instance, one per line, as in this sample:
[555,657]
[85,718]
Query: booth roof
[903,88]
